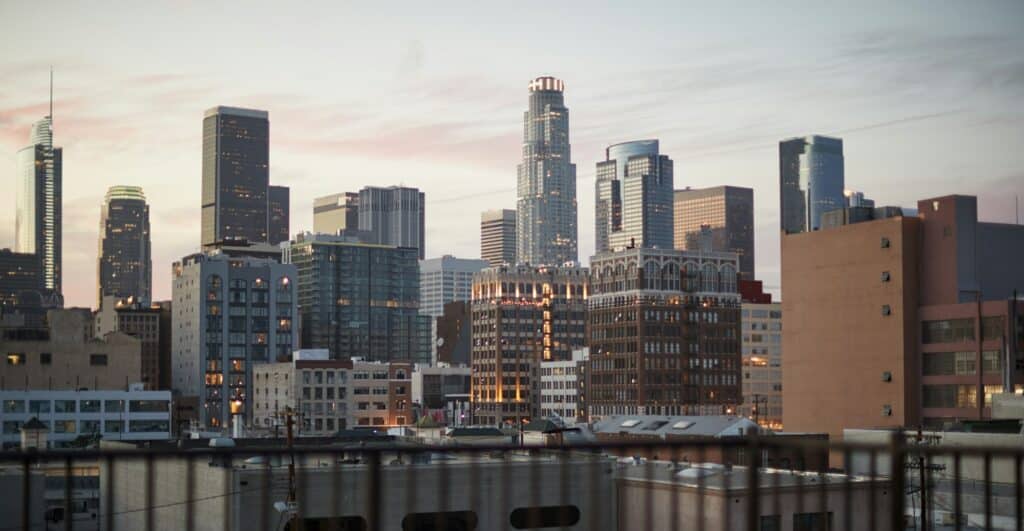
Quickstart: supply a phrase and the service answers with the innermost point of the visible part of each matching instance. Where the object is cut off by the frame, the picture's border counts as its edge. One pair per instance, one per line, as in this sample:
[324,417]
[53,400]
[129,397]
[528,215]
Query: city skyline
[926,140]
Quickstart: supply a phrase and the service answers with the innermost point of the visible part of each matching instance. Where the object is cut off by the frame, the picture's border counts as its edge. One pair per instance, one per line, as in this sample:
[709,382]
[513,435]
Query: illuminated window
[15,359]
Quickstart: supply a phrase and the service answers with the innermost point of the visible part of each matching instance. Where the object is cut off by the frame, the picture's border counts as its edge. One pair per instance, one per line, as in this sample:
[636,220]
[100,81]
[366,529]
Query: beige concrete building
[762,363]
[66,355]
[142,321]
[901,321]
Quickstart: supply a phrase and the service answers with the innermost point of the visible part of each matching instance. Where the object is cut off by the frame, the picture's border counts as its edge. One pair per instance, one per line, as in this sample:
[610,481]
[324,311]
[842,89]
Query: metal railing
[735,483]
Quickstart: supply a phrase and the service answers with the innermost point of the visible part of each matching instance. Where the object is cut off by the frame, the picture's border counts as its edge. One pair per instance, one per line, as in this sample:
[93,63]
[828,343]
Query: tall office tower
[38,216]
[498,237]
[278,213]
[19,273]
[125,266]
[394,216]
[722,214]
[336,212]
[810,181]
[446,279]
[229,313]
[634,197]
[521,316]
[359,299]
[236,159]
[663,335]
[546,190]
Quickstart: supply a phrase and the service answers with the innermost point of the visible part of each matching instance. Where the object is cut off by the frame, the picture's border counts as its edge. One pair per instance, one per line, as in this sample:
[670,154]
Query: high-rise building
[722,214]
[664,333]
[229,313]
[236,175]
[498,237]
[912,315]
[336,212]
[546,190]
[19,273]
[634,197]
[125,265]
[857,199]
[359,299]
[452,336]
[38,215]
[446,279]
[279,213]
[522,316]
[394,216]
[811,180]
[762,363]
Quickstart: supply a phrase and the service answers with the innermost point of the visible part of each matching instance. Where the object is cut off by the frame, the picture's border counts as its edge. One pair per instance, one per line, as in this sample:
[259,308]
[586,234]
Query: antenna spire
[51,107]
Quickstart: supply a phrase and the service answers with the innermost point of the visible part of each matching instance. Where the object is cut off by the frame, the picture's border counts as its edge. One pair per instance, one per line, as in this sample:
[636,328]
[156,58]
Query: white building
[762,363]
[312,384]
[120,415]
[446,279]
[559,387]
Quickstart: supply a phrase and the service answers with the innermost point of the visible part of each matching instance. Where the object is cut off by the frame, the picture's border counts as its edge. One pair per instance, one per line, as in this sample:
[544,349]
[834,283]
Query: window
[992,362]
[12,427]
[148,426]
[148,406]
[446,520]
[113,426]
[98,360]
[812,521]
[992,328]
[14,406]
[37,407]
[885,276]
[113,406]
[15,359]
[64,426]
[885,242]
[64,406]
[886,309]
[89,406]
[45,358]
[950,396]
[772,522]
[948,363]
[90,426]
[947,331]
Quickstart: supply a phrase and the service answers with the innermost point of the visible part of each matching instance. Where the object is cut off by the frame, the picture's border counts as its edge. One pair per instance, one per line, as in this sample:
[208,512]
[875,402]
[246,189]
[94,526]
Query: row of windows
[94,426]
[85,406]
[46,358]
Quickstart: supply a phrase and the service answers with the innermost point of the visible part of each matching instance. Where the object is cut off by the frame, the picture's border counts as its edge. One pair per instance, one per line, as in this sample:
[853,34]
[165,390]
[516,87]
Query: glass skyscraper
[236,158]
[811,181]
[125,265]
[634,197]
[546,191]
[37,218]
[720,218]
[278,212]
[394,216]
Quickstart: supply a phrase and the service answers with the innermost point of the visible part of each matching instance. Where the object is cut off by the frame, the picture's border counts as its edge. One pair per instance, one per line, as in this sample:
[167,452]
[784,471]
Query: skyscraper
[336,212]
[278,213]
[498,237]
[125,267]
[634,197]
[810,181]
[38,215]
[236,158]
[724,215]
[394,216]
[546,206]
[359,299]
[446,279]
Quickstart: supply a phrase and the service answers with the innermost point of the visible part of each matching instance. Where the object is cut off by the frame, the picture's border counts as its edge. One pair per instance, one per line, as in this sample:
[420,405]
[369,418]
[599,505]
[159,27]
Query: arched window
[670,276]
[631,277]
[652,276]
[690,277]
[709,278]
[728,278]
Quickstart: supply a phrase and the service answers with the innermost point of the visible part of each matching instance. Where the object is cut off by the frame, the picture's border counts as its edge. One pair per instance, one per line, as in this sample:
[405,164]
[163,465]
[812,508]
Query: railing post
[373,490]
[753,477]
[897,452]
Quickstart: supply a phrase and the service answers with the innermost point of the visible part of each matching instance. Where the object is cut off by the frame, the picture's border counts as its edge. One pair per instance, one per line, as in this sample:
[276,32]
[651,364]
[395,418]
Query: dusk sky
[928,98]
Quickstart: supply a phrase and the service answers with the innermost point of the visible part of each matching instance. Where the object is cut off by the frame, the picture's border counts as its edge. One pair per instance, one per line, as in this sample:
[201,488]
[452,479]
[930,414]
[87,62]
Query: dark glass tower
[125,264]
[278,211]
[236,157]
[811,181]
[546,191]
[634,197]
[721,218]
[39,197]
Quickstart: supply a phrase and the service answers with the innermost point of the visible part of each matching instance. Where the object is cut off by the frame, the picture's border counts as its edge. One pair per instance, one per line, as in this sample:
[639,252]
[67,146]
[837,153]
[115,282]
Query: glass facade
[498,237]
[38,211]
[278,213]
[546,189]
[394,216]
[125,265]
[236,158]
[718,219]
[811,181]
[634,197]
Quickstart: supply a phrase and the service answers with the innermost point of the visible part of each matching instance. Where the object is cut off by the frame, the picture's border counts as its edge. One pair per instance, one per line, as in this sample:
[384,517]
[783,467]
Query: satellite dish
[440,341]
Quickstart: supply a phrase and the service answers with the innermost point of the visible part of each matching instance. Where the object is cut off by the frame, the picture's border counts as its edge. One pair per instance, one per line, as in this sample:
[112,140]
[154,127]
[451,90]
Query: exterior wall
[835,322]
[498,237]
[18,272]
[559,388]
[231,314]
[278,214]
[728,211]
[454,333]
[119,415]
[394,216]
[430,385]
[663,333]
[762,363]
[336,212]
[76,359]
[446,279]
[380,394]
[138,321]
[520,317]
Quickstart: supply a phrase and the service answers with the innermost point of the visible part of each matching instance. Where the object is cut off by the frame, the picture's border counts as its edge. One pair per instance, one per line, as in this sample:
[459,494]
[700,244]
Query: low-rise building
[144,322]
[134,415]
[312,385]
[762,363]
[560,387]
[381,393]
[65,354]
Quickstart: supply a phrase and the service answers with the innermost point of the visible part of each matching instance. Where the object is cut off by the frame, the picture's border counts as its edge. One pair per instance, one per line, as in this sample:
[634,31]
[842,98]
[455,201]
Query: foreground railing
[754,483]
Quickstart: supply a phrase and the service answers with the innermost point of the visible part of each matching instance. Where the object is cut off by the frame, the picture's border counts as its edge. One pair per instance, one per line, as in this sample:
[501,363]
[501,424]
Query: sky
[927,96]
